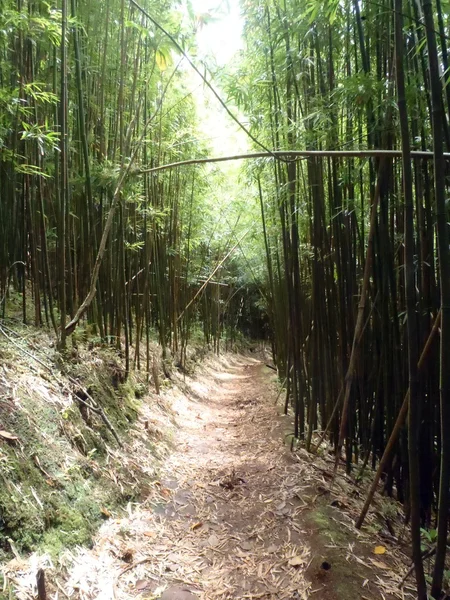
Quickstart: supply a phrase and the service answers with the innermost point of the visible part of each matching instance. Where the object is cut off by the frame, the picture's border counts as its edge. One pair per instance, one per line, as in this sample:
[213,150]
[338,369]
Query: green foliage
[429,537]
[327,10]
[46,139]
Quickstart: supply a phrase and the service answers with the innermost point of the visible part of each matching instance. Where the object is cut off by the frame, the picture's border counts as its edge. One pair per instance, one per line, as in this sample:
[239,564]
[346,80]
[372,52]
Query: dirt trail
[231,478]
[230,517]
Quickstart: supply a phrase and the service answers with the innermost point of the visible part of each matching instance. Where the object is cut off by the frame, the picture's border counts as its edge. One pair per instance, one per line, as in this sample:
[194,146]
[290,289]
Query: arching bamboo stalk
[295,155]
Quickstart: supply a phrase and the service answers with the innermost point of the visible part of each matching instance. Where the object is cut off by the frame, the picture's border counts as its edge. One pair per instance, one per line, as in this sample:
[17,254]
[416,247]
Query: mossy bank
[62,470]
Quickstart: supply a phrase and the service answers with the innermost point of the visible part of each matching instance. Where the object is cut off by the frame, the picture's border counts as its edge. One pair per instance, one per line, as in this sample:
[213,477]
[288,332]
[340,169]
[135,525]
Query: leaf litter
[226,517]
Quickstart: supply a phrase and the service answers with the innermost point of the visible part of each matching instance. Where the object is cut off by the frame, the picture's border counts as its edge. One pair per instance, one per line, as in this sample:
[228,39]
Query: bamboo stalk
[296,154]
[398,424]
[212,275]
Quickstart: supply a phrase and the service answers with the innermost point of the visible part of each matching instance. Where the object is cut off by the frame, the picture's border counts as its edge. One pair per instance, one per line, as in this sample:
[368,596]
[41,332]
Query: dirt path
[231,515]
[235,510]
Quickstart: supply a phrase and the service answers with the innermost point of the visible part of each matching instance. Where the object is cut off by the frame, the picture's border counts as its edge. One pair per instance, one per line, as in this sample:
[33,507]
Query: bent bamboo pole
[295,155]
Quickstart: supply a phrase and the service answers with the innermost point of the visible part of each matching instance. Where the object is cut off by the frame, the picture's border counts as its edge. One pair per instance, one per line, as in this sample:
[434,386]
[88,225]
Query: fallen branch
[359,327]
[134,565]
[29,354]
[426,554]
[280,391]
[330,421]
[338,401]
[97,409]
[201,75]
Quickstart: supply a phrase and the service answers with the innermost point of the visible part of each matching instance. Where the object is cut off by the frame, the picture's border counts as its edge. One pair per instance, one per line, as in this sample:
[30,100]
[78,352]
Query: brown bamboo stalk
[398,424]
[296,154]
[354,355]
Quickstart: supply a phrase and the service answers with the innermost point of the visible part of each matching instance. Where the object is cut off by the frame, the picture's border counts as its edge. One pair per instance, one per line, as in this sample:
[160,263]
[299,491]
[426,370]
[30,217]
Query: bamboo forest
[224,299]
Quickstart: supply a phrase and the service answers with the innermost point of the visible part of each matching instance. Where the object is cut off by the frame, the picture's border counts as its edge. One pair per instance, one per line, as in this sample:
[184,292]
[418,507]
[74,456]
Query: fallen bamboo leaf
[9,437]
[380,564]
[177,593]
[297,561]
[142,584]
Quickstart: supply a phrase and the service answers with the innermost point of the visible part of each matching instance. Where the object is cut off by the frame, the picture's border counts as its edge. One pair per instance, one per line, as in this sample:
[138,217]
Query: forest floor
[235,513]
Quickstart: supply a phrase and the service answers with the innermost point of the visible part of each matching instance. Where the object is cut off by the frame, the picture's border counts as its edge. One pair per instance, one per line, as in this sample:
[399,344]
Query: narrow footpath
[234,514]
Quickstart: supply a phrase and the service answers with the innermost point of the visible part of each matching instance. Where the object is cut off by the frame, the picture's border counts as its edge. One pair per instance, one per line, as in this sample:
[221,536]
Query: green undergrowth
[65,472]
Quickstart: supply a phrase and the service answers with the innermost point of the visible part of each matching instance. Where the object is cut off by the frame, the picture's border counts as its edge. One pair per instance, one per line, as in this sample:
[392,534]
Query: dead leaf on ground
[9,437]
[213,540]
[149,534]
[144,585]
[297,561]
[380,564]
[177,593]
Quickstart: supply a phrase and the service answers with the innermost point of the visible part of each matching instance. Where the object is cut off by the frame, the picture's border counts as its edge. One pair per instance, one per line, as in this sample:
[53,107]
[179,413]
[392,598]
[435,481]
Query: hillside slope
[76,440]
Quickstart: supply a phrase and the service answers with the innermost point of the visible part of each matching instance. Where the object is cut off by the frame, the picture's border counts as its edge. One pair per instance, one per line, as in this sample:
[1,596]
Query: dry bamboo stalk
[297,154]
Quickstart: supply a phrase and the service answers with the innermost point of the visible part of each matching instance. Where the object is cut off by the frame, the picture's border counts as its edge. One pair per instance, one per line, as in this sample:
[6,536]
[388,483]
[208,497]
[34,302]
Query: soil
[235,513]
